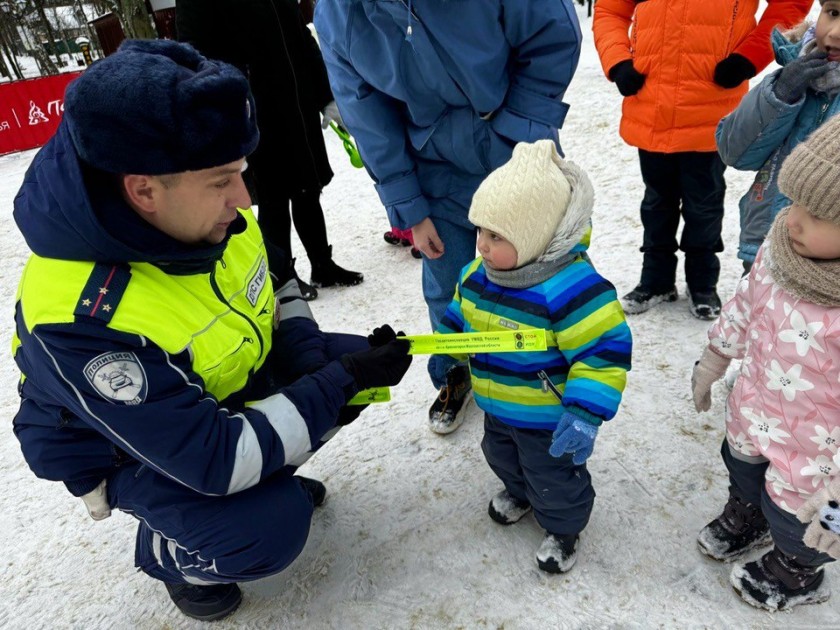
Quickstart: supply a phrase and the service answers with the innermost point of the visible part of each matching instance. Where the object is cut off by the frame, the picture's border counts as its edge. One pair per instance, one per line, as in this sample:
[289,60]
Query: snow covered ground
[404,540]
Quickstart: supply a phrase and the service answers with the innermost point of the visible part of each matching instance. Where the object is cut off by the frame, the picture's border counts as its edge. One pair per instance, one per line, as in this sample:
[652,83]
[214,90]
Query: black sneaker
[206,603]
[506,509]
[557,553]
[642,299]
[316,489]
[704,304]
[777,581]
[325,273]
[447,412]
[738,529]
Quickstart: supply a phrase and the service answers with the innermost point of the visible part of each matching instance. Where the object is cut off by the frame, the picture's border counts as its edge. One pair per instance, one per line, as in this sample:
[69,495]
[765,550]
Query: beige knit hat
[525,199]
[810,175]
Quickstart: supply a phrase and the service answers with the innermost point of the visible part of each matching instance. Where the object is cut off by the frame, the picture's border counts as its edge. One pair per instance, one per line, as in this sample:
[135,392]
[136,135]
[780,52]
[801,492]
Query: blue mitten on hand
[573,435]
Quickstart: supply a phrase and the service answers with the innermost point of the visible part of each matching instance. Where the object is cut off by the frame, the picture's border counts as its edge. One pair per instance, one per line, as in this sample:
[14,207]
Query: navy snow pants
[560,492]
[185,536]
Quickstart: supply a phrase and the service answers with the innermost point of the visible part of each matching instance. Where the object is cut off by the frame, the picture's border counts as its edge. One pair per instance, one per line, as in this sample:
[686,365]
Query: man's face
[199,206]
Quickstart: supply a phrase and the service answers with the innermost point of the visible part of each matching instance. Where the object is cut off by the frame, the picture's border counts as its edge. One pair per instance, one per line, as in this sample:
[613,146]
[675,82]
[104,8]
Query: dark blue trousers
[688,184]
[185,536]
[560,492]
[746,481]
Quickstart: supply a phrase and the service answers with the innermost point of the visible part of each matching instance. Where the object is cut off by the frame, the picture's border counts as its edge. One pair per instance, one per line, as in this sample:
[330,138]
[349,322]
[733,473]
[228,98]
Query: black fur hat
[158,107]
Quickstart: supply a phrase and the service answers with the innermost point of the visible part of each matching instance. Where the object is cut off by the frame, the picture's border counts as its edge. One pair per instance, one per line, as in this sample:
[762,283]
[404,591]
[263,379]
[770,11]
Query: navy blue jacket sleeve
[176,427]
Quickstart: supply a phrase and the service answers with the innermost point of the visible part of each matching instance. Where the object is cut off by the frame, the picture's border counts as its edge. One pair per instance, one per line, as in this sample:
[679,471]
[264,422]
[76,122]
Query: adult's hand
[627,79]
[733,71]
[426,239]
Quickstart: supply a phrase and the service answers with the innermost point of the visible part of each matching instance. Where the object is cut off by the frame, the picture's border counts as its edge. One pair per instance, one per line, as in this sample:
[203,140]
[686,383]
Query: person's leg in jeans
[703,191]
[439,279]
[660,214]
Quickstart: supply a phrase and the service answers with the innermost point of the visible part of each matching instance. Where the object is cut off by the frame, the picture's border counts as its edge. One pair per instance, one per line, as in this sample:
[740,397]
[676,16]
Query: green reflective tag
[372,395]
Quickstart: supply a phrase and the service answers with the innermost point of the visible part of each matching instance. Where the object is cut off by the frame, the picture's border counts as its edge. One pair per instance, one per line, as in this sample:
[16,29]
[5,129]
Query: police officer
[146,318]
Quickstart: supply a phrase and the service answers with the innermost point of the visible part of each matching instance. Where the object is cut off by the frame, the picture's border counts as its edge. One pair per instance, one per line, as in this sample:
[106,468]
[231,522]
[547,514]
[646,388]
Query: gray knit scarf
[812,280]
[531,274]
[829,83]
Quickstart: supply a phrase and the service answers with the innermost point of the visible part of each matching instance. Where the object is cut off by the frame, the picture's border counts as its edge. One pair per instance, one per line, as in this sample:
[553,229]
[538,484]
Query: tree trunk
[136,19]
[52,44]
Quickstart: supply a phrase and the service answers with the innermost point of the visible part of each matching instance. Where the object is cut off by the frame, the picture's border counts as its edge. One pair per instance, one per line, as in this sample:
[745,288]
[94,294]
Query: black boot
[316,489]
[325,273]
[308,292]
[740,528]
[207,603]
[776,581]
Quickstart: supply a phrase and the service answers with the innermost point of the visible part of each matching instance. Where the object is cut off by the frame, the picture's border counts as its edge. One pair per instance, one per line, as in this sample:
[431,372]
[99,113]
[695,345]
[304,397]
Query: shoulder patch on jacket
[103,292]
[118,377]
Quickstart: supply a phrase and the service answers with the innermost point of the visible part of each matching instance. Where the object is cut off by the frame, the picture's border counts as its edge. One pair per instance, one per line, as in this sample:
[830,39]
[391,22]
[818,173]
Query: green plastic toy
[349,147]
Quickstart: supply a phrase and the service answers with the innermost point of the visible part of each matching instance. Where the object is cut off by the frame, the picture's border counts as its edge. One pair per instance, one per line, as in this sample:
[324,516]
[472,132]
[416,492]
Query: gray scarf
[815,281]
[829,83]
[529,275]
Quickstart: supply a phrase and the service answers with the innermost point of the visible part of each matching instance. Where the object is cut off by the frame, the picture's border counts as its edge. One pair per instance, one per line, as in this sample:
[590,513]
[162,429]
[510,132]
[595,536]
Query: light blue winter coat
[760,134]
[437,95]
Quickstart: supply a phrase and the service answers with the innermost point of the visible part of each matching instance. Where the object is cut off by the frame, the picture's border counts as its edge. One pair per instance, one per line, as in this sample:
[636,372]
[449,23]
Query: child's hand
[822,511]
[710,368]
[573,435]
[796,76]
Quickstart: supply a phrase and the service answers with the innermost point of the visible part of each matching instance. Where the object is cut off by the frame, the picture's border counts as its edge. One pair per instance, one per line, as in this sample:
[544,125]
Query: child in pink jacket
[783,414]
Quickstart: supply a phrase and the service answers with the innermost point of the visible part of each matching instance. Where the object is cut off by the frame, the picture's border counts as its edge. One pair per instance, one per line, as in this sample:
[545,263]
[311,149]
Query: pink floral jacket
[785,405]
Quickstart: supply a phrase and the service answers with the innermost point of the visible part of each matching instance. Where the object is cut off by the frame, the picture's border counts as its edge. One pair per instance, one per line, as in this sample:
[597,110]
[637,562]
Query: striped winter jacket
[589,340]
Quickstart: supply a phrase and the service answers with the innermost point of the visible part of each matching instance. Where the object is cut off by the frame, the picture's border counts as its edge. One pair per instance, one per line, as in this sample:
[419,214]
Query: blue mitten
[573,435]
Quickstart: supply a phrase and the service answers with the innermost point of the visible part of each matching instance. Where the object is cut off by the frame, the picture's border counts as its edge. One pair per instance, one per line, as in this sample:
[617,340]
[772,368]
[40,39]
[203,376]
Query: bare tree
[135,19]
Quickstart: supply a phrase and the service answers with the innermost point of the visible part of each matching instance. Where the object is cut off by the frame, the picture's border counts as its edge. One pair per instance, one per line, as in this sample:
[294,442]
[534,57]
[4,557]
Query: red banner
[30,111]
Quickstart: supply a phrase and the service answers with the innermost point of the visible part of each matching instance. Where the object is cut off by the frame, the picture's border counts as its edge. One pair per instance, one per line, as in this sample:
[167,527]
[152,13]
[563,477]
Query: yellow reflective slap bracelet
[461,343]
[533,340]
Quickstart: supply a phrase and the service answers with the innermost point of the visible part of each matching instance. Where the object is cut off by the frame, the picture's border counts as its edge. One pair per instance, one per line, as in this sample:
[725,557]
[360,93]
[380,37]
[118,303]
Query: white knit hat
[525,199]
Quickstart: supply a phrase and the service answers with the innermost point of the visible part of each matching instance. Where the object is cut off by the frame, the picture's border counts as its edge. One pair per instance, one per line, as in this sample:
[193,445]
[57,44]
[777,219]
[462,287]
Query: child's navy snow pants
[560,492]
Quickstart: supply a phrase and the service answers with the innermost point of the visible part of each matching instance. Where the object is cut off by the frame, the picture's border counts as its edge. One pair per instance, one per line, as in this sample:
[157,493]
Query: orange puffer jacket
[676,44]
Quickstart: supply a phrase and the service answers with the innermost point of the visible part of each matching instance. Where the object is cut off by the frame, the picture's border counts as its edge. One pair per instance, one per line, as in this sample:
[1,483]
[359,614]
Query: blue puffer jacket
[760,134]
[437,94]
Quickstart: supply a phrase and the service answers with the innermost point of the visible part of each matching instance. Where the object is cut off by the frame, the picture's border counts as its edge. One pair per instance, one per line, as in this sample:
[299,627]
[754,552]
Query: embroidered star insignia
[106,307]
[103,290]
[86,302]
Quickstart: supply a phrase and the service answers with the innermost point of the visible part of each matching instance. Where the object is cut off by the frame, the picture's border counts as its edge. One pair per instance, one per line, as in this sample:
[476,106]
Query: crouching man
[161,375]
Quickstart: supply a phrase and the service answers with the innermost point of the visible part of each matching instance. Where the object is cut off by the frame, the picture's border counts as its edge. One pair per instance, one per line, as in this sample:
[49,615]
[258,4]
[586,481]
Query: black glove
[628,80]
[733,71]
[797,75]
[347,414]
[379,367]
[383,335]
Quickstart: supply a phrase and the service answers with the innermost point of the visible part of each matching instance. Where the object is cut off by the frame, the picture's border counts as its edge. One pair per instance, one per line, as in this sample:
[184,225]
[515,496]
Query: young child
[783,414]
[533,215]
[778,114]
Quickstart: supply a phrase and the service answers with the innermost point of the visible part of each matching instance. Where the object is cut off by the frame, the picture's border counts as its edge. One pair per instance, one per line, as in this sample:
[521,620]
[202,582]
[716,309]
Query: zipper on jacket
[251,323]
[547,385]
[732,28]
[823,110]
